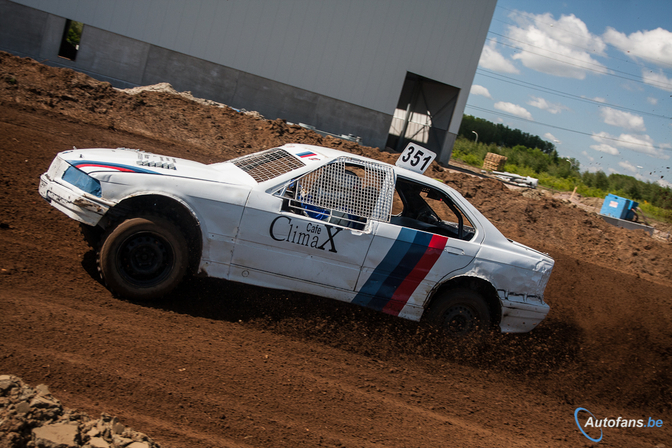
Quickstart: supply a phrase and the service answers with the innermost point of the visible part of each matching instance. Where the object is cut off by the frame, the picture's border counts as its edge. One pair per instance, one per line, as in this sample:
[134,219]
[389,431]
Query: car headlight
[82,181]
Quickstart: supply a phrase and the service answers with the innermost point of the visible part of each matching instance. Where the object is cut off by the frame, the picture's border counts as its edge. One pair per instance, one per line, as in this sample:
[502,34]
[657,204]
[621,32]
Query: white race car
[301,218]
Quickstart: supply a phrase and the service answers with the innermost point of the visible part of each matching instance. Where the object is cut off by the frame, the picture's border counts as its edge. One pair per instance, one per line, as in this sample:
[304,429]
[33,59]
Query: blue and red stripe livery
[307,154]
[112,166]
[406,264]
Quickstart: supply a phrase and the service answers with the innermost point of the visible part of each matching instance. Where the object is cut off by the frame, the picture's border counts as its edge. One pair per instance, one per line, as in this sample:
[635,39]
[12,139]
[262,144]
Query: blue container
[618,207]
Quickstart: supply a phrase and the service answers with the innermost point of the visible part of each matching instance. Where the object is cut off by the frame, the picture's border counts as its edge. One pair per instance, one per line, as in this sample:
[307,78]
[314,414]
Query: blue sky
[594,77]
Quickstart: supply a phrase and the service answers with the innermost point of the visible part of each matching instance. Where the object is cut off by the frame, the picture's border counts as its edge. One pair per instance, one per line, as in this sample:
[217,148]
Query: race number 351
[415,158]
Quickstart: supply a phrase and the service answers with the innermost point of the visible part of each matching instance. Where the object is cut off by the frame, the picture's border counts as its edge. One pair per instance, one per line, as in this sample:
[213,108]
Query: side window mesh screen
[348,189]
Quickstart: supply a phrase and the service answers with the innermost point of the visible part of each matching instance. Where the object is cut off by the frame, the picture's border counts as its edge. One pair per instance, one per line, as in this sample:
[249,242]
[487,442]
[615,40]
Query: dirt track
[225,365]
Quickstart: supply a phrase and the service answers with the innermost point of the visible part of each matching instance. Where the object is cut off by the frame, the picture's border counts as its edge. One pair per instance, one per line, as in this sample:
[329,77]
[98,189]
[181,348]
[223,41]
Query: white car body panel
[269,240]
[403,267]
[248,236]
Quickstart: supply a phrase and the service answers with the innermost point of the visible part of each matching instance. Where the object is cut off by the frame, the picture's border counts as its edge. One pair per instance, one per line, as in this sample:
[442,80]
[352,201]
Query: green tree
[501,135]
[601,181]
[74,34]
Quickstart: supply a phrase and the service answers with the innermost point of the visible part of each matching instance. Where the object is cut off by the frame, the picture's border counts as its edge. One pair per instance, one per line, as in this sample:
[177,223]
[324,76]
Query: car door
[427,237]
[316,229]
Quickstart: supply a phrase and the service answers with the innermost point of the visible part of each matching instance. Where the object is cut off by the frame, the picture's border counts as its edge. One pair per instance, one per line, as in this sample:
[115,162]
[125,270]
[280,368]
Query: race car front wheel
[143,258]
[460,312]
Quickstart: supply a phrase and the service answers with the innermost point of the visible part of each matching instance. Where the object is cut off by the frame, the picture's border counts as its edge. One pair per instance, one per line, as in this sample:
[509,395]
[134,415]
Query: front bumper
[75,203]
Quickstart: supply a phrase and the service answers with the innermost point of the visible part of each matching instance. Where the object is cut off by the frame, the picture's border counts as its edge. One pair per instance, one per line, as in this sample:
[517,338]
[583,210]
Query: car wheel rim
[460,320]
[145,259]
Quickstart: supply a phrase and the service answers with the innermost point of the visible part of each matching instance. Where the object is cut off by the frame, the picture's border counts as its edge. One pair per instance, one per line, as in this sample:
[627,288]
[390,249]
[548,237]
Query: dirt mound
[607,341]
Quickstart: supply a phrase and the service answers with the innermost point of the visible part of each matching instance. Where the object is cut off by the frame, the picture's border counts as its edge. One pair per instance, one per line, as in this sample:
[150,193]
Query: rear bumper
[75,203]
[520,317]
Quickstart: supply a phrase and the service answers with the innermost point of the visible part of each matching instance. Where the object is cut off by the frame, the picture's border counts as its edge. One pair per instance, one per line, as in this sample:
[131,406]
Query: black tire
[143,258]
[460,312]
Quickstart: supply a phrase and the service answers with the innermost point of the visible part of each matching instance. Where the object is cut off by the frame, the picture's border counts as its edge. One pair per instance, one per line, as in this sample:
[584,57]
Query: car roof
[326,155]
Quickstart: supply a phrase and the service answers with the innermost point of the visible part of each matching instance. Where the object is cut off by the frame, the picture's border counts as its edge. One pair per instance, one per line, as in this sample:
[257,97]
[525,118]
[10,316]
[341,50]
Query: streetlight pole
[476,136]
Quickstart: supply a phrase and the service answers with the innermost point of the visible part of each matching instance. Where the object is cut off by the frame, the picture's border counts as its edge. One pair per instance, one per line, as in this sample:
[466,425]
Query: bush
[564,175]
[584,190]
[658,213]
[471,159]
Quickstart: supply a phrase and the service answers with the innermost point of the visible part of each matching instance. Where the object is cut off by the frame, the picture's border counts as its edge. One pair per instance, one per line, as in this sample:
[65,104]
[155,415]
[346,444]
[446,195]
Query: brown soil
[219,364]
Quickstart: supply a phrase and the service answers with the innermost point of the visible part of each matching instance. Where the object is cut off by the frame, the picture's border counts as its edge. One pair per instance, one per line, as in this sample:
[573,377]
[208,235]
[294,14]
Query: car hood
[124,160]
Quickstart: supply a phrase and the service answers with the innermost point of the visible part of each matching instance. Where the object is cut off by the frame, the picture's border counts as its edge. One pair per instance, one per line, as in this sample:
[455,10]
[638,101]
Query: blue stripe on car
[400,260]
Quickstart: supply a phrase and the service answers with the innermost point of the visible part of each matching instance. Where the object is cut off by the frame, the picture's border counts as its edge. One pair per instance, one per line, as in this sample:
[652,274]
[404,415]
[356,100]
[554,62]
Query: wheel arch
[169,207]
[480,285]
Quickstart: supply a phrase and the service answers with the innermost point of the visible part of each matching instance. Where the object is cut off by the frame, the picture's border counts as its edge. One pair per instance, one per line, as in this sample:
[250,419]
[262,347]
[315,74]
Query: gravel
[34,418]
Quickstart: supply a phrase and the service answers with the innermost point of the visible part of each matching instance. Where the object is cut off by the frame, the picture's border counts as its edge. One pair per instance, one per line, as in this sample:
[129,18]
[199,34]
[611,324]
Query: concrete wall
[271,98]
[119,57]
[106,56]
[336,64]
[357,51]
[126,62]
[22,29]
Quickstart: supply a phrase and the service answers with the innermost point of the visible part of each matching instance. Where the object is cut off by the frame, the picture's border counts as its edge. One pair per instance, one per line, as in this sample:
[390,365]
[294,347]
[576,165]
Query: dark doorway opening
[72,35]
[423,114]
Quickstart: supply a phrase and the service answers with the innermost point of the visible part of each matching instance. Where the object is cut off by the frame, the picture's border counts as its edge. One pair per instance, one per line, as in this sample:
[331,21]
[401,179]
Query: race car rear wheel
[460,312]
[143,258]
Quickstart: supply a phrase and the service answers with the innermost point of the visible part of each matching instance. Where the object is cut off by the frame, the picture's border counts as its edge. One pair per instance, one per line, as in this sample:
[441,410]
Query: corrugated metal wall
[357,51]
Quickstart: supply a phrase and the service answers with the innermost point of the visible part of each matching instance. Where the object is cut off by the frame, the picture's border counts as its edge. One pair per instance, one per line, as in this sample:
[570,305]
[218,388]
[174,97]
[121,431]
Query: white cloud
[638,143]
[562,47]
[513,109]
[587,156]
[625,120]
[551,138]
[632,86]
[628,166]
[606,148]
[652,46]
[613,171]
[480,90]
[493,60]
[657,79]
[541,103]
[652,101]
[601,137]
[664,183]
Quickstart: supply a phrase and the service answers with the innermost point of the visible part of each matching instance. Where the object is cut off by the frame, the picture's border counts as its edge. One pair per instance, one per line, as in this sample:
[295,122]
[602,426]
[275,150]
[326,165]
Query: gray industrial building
[376,69]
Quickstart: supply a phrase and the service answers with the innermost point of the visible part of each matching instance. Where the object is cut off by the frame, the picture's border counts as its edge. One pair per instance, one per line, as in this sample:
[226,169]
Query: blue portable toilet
[618,207]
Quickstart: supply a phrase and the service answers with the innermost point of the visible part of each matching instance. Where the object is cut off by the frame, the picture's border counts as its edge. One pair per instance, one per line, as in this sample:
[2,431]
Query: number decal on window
[406,156]
[415,158]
